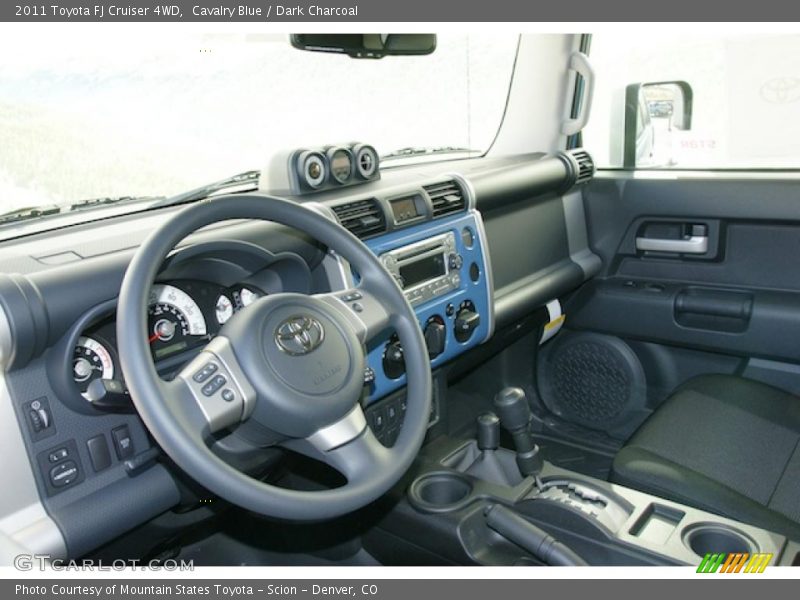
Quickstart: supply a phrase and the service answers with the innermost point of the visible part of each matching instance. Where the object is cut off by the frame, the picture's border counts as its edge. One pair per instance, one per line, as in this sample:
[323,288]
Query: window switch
[99,453]
[123,443]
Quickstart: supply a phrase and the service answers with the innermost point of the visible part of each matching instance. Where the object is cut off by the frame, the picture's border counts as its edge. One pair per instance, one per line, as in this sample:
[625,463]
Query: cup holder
[708,538]
[441,491]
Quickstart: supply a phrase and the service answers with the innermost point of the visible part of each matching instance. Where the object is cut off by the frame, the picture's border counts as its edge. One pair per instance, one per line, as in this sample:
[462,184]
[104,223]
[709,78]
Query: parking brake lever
[529,537]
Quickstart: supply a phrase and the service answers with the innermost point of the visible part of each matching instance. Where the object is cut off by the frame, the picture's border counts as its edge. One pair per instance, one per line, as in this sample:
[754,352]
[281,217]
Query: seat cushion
[724,444]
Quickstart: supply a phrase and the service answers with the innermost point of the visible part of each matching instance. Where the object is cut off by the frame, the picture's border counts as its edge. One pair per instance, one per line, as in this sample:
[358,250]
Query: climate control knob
[435,333]
[467,321]
[394,364]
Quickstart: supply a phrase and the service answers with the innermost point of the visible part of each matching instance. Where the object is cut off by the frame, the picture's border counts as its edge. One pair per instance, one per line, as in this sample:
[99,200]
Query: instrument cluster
[183,315]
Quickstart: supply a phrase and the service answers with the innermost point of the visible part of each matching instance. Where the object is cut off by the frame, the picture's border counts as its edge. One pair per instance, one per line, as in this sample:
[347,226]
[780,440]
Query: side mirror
[367,45]
[651,109]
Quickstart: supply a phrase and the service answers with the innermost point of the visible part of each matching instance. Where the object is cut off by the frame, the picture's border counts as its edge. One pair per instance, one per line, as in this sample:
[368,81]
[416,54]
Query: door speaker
[592,380]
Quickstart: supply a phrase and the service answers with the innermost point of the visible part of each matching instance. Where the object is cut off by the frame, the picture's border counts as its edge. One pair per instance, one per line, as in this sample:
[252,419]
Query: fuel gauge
[248,296]
[223,309]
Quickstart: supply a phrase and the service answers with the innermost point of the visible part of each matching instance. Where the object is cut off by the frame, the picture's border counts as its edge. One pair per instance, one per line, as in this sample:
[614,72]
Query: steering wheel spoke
[217,385]
[364,311]
[347,445]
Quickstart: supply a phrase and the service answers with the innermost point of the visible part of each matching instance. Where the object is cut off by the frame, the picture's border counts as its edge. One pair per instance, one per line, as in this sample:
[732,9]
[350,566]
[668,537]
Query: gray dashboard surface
[49,281]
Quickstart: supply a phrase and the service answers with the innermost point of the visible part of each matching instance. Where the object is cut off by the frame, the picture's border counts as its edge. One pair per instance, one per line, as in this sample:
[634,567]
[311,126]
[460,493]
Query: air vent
[363,218]
[447,197]
[585,165]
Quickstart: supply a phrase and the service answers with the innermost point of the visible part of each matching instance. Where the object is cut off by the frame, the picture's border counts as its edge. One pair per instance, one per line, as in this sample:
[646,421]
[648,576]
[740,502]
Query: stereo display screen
[428,268]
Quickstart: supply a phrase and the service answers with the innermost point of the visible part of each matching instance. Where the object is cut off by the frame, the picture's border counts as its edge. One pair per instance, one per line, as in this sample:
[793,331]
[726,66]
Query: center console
[494,506]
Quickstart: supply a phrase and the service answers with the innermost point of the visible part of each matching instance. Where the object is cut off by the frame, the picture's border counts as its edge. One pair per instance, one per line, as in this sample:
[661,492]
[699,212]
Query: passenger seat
[724,444]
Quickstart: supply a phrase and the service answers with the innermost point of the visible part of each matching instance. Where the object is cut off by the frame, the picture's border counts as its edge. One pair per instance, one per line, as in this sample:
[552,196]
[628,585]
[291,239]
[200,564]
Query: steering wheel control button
[123,443]
[206,372]
[98,452]
[358,307]
[391,415]
[64,474]
[351,297]
[378,421]
[213,386]
[228,395]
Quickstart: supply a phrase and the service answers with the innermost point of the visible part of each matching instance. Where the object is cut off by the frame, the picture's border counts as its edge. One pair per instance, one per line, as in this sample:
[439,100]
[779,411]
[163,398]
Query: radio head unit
[425,269]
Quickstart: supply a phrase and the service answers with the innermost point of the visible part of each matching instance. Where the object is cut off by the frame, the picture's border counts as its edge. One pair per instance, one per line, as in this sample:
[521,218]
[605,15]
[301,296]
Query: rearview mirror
[652,112]
[367,45]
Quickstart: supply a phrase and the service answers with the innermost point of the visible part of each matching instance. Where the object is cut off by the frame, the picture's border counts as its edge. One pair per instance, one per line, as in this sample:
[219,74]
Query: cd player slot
[421,254]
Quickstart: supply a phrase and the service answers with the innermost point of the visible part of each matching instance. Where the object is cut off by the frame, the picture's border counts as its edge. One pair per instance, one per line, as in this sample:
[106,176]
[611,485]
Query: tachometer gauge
[223,309]
[174,318]
[90,360]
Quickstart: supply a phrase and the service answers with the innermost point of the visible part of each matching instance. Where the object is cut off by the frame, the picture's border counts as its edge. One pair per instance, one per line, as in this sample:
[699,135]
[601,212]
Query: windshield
[87,113]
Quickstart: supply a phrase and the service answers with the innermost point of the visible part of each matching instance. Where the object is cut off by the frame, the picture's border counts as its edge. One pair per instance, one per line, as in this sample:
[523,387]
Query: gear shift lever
[488,432]
[515,415]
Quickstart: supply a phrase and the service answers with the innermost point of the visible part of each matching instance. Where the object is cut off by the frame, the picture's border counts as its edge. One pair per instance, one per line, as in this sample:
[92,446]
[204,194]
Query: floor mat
[224,550]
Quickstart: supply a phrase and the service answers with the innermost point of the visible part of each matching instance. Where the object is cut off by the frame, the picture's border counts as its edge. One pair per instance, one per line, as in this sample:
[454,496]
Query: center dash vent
[585,165]
[363,218]
[447,198]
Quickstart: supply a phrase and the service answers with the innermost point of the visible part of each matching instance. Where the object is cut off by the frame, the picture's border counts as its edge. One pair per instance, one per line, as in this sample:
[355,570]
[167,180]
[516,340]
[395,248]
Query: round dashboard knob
[435,334]
[455,261]
[467,321]
[394,364]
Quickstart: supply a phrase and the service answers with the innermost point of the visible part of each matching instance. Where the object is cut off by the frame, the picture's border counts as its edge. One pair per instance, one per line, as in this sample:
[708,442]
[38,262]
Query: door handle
[695,244]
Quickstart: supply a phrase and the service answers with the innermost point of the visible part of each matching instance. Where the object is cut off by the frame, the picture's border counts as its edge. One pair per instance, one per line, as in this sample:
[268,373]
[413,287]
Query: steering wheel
[289,368]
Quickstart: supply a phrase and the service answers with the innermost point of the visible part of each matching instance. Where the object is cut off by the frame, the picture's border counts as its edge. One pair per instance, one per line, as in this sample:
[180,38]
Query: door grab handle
[696,244]
[579,62]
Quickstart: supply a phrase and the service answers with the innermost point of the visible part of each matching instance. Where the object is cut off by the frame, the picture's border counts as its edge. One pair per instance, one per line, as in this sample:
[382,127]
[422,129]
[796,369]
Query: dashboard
[79,453]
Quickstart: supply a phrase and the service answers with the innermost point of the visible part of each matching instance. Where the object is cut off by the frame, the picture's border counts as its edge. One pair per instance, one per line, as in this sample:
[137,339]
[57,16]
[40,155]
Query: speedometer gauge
[173,320]
[90,360]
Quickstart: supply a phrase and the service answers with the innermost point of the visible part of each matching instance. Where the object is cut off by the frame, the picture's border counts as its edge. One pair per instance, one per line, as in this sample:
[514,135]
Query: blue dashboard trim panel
[478,292]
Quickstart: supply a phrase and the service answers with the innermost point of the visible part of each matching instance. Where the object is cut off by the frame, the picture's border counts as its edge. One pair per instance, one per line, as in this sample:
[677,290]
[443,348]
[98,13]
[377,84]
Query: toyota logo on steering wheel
[299,335]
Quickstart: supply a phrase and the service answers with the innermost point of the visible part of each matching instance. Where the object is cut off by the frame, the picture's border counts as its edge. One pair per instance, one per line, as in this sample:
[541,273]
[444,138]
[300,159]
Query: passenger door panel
[731,306]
